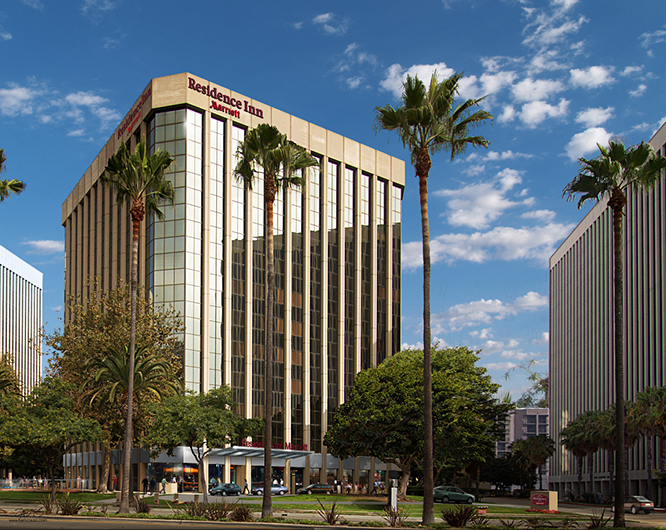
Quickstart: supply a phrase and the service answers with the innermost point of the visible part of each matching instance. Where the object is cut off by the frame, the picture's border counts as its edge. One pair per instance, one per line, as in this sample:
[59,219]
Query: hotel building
[21,318]
[338,266]
[581,327]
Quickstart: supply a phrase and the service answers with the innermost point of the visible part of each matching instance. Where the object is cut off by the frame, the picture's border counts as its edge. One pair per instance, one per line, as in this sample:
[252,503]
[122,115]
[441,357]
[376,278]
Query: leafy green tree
[202,422]
[7,187]
[615,170]
[383,415]
[282,162]
[9,381]
[427,121]
[47,425]
[536,451]
[501,472]
[138,178]
[100,323]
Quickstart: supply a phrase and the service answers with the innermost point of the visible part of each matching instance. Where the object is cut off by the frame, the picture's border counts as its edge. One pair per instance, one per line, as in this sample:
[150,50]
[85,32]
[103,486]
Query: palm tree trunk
[422,170]
[127,440]
[269,198]
[580,476]
[649,442]
[590,470]
[617,202]
[103,485]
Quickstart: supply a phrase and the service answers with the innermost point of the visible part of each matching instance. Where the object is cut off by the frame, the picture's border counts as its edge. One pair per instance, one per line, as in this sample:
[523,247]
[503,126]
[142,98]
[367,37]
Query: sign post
[544,500]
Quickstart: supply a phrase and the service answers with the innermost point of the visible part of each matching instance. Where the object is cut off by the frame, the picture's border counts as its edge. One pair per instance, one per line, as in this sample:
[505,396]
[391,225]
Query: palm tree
[139,179]
[8,187]
[609,175]
[646,416]
[581,439]
[428,121]
[281,161]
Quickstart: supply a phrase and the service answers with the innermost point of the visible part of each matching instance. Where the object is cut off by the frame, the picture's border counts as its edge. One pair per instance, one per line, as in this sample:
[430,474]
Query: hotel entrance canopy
[255,452]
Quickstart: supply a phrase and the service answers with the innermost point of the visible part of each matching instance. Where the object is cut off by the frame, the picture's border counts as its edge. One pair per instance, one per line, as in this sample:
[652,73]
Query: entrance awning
[256,452]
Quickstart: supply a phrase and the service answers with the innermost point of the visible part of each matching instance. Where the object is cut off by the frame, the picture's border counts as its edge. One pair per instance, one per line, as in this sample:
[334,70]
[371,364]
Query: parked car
[636,503]
[451,494]
[316,488]
[275,490]
[225,489]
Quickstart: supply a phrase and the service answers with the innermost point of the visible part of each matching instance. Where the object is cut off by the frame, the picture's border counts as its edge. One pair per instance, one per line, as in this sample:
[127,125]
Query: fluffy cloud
[485,312]
[331,24]
[533,90]
[45,247]
[396,75]
[586,142]
[479,204]
[592,77]
[535,112]
[631,70]
[4,34]
[545,216]
[638,92]
[546,29]
[17,100]
[650,38]
[36,4]
[594,116]
[95,7]
[501,243]
[495,156]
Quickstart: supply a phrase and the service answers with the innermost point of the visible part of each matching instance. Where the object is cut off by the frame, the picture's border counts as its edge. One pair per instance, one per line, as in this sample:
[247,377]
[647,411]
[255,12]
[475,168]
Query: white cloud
[564,4]
[535,112]
[4,34]
[549,29]
[545,216]
[586,142]
[36,4]
[96,6]
[17,100]
[501,243]
[594,116]
[331,24]
[45,246]
[533,90]
[508,114]
[485,312]
[631,70]
[396,75]
[545,338]
[485,333]
[504,367]
[650,38]
[592,77]
[477,205]
[547,60]
[638,92]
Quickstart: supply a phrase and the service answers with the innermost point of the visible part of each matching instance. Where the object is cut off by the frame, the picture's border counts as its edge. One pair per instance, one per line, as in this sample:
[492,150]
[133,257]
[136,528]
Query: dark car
[451,494]
[275,490]
[316,488]
[225,489]
[636,503]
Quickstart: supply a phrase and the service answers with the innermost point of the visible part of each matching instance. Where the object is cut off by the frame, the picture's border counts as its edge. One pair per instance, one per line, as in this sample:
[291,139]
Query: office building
[338,266]
[21,318]
[522,424]
[582,329]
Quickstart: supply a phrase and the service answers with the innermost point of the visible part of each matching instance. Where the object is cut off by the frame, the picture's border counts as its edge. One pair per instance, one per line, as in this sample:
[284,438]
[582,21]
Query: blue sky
[560,76]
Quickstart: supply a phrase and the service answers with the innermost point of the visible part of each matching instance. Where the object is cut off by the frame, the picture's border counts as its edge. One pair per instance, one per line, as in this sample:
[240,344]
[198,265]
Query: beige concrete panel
[299,132]
[66,209]
[317,139]
[172,90]
[88,180]
[398,171]
[383,165]
[334,146]
[281,120]
[352,152]
[368,159]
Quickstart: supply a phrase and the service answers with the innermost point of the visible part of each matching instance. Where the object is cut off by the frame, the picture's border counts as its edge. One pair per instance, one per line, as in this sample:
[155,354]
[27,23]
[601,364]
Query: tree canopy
[383,414]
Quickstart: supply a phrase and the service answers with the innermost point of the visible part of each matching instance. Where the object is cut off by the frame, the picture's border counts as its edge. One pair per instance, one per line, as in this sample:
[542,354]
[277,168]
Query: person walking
[115,482]
[246,488]
[164,483]
[144,483]
[153,485]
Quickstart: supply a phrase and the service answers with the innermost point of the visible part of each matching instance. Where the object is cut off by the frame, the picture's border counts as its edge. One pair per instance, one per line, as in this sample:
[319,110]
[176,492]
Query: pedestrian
[180,484]
[246,488]
[164,483]
[115,482]
[153,485]
[144,483]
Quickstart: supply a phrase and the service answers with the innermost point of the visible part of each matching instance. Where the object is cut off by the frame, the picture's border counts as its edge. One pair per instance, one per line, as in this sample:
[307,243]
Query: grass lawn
[37,496]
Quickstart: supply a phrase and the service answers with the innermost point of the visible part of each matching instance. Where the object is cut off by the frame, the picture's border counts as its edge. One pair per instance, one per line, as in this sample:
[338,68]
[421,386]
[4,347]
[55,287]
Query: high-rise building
[337,255]
[21,318]
[582,326]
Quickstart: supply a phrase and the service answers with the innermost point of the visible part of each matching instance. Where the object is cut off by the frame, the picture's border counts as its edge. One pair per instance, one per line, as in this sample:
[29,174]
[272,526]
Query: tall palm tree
[581,439]
[138,178]
[281,161]
[427,121]
[615,170]
[10,186]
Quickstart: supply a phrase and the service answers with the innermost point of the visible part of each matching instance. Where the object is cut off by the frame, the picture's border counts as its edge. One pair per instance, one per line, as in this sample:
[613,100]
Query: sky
[558,76]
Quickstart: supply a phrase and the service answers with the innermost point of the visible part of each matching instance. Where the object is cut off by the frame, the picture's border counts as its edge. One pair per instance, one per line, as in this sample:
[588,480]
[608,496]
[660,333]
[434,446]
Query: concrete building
[21,317]
[581,325]
[522,424]
[338,265]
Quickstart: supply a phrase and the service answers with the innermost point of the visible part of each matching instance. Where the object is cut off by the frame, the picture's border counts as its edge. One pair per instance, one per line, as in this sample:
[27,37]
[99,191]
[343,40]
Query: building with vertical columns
[582,327]
[338,267]
[21,318]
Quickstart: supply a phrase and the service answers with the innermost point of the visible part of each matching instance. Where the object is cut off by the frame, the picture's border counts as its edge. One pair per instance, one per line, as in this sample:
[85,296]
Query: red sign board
[539,499]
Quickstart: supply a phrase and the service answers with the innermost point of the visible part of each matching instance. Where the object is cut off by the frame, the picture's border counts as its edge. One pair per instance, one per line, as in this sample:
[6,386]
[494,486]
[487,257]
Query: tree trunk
[203,484]
[403,482]
[125,496]
[102,487]
[590,470]
[580,476]
[649,443]
[422,170]
[269,198]
[617,203]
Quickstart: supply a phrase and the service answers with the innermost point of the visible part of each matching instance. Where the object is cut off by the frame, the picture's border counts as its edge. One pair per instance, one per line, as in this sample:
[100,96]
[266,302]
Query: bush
[328,513]
[69,506]
[241,513]
[140,505]
[460,516]
[394,516]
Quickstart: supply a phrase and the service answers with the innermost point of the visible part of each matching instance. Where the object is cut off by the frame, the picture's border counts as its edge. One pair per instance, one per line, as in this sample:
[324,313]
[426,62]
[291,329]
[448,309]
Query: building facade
[522,424]
[581,326]
[21,318]
[337,254]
